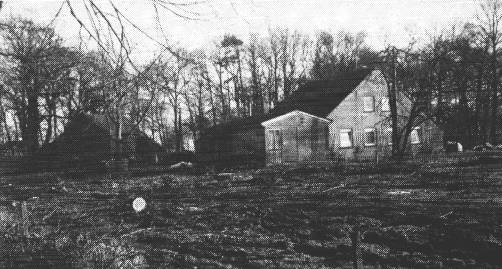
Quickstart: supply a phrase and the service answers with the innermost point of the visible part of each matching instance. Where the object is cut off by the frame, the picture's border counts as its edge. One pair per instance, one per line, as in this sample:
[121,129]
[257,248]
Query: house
[347,118]
[87,141]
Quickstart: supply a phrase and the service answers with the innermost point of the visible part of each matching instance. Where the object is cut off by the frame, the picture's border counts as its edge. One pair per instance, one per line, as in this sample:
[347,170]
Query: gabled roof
[294,112]
[320,97]
[315,97]
[101,121]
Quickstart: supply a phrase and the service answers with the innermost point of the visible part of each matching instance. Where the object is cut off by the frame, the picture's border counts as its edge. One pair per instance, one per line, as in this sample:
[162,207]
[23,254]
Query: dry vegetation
[418,217]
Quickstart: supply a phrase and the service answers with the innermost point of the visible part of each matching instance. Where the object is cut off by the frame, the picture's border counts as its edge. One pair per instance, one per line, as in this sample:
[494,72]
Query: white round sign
[139,204]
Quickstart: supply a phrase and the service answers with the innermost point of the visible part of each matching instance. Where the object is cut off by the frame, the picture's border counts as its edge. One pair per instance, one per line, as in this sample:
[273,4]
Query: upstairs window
[415,135]
[346,138]
[274,139]
[369,103]
[369,137]
[385,104]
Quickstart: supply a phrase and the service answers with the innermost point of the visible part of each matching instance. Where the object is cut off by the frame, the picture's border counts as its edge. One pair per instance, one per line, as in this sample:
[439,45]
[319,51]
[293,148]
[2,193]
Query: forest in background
[453,78]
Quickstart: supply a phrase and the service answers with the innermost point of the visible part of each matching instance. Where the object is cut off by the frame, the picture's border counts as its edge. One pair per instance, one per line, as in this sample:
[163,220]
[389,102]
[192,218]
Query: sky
[384,21]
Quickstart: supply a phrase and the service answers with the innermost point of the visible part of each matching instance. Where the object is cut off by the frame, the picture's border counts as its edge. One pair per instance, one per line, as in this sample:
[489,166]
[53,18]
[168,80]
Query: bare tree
[410,93]
[198,94]
[335,54]
[232,62]
[34,72]
[171,76]
[255,80]
[294,54]
[489,21]
[5,134]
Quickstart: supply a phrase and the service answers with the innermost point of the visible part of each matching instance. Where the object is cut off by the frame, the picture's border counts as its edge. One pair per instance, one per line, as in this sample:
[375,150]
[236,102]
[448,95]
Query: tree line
[452,78]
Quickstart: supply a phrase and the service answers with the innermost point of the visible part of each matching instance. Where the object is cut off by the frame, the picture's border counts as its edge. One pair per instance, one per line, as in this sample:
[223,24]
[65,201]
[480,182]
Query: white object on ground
[446,215]
[336,187]
[139,204]
[194,209]
[181,165]
[399,192]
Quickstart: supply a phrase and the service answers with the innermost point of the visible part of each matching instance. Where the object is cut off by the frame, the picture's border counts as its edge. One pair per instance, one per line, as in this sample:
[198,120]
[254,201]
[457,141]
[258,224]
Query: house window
[369,103]
[275,139]
[346,138]
[385,104]
[415,135]
[369,137]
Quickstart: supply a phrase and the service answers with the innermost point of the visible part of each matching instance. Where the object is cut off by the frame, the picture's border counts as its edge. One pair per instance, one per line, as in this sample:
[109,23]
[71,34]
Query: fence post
[25,218]
[356,237]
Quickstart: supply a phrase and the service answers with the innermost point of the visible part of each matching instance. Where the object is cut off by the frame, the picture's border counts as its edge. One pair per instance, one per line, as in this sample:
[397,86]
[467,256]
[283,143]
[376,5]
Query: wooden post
[356,238]
[25,218]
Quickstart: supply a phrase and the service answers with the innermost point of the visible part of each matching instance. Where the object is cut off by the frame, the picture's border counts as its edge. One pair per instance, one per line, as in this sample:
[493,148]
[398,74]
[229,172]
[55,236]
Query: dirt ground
[303,217]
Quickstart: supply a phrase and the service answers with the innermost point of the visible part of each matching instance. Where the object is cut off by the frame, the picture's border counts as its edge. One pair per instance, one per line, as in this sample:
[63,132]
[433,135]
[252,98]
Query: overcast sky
[385,21]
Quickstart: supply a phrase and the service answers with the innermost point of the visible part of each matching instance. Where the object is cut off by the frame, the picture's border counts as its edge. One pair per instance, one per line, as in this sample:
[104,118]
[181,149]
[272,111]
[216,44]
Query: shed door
[274,149]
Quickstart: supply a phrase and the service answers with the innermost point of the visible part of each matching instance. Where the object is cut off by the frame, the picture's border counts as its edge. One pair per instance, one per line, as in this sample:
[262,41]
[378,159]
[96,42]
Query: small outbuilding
[87,142]
[296,137]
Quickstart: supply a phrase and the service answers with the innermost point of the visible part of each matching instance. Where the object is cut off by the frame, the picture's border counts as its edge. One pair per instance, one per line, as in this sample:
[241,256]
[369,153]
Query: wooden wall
[232,146]
[304,139]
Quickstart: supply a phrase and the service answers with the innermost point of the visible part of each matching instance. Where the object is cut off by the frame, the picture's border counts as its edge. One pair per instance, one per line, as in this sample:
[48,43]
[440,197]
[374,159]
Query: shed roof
[294,112]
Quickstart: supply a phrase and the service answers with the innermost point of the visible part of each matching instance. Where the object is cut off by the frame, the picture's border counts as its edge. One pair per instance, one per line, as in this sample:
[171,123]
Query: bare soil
[442,216]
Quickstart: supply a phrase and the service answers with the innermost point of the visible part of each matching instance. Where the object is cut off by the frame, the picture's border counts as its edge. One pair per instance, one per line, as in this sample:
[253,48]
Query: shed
[296,137]
[87,142]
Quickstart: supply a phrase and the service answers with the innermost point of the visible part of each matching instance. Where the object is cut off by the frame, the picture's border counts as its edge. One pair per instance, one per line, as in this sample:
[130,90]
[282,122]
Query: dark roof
[316,97]
[80,123]
[320,97]
[102,122]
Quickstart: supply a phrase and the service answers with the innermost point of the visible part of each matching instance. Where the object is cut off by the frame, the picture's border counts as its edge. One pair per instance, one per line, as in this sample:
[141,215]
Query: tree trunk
[32,124]
[55,124]
[466,116]
[177,129]
[50,109]
[240,83]
[285,78]
[275,94]
[393,105]
[3,115]
[222,94]
[478,106]
[16,129]
[211,100]
[48,133]
[494,103]
[119,153]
